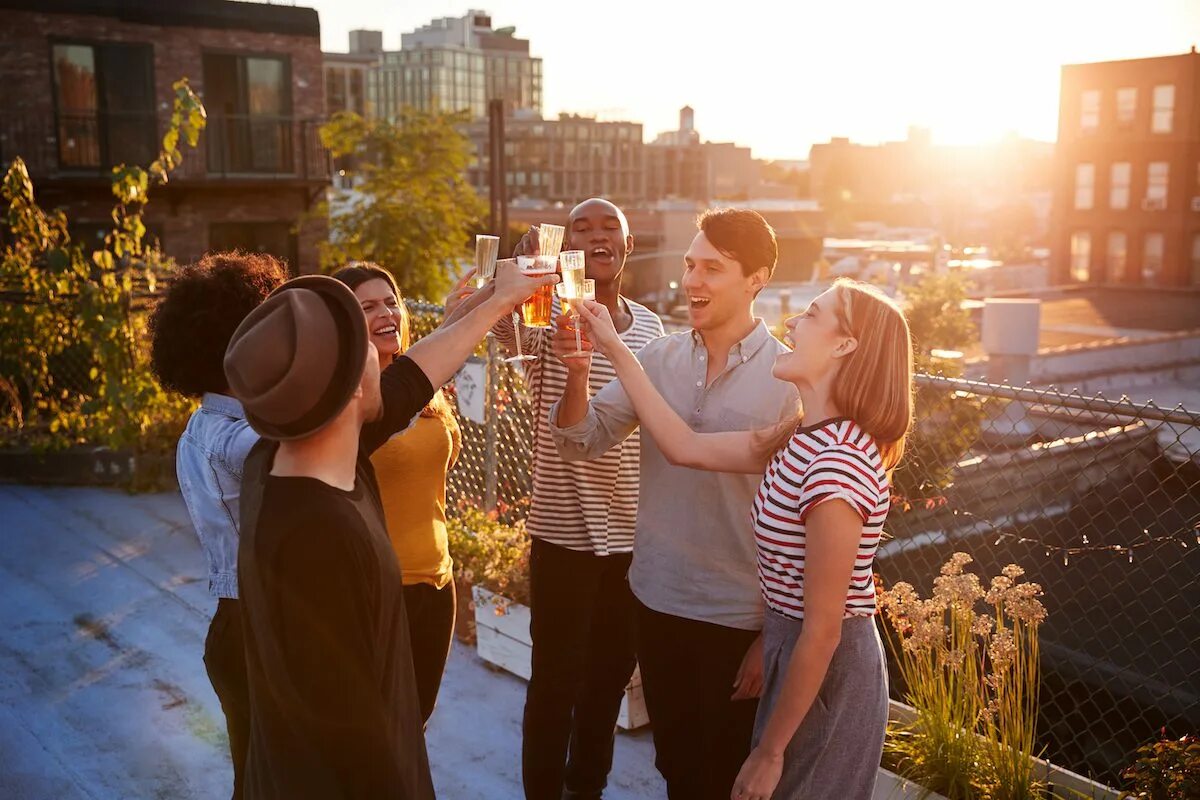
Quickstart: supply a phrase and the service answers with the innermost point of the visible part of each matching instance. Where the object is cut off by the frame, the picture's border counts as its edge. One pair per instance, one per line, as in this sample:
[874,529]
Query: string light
[1065,551]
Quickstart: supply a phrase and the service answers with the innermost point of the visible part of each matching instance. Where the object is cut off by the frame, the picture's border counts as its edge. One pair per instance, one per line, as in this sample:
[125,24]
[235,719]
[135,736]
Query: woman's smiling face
[383,313]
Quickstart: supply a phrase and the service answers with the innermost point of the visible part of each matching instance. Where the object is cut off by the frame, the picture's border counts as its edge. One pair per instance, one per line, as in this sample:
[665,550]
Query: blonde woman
[818,517]
[411,468]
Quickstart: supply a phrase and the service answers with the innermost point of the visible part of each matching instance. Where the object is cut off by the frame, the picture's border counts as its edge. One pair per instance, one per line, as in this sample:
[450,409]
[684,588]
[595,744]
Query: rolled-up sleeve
[609,421]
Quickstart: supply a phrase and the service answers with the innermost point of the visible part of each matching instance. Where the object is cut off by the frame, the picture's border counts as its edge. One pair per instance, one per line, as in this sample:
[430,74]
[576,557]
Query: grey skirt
[835,752]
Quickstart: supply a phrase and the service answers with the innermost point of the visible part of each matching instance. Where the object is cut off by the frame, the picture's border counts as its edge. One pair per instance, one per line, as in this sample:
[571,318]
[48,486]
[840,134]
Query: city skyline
[894,73]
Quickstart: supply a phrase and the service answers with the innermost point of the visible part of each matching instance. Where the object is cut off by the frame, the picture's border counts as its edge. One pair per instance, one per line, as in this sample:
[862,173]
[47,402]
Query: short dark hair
[191,326]
[742,235]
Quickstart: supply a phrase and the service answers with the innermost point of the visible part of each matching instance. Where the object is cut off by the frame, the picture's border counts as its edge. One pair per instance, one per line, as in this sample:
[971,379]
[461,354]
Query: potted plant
[971,680]
[491,568]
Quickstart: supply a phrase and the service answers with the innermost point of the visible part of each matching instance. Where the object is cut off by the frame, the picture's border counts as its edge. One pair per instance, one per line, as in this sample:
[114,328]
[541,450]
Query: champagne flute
[573,297]
[516,320]
[486,250]
[572,262]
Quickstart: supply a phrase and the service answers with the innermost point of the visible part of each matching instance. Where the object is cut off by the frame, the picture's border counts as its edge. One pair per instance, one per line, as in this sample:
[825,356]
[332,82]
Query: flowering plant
[490,549]
[972,678]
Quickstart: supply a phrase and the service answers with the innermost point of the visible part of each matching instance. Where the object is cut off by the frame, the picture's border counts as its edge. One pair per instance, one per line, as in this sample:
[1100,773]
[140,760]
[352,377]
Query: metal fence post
[492,427]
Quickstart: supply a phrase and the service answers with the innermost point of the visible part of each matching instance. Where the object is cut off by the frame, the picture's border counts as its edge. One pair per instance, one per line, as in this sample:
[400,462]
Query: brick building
[1127,173]
[86,85]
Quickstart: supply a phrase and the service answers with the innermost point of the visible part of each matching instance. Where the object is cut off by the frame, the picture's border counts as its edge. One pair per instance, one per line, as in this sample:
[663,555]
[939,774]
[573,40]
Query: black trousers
[430,630]
[701,737]
[225,661]
[582,615]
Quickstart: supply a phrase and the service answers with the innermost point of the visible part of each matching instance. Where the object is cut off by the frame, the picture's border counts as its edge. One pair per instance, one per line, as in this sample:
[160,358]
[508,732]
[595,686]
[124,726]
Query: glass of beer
[573,296]
[536,311]
[486,250]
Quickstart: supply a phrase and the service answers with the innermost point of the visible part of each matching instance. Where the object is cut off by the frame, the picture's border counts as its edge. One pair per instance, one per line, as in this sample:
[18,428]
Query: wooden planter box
[502,639]
[1063,783]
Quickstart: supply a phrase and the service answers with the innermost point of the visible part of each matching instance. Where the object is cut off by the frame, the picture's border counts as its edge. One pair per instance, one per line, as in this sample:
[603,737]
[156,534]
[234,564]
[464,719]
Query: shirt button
[701,358]
[699,383]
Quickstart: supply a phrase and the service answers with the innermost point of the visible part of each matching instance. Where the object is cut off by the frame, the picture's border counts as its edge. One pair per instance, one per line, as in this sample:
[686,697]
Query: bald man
[581,519]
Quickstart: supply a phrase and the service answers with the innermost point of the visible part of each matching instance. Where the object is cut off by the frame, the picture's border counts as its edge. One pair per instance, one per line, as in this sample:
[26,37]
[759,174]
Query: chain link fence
[1098,501]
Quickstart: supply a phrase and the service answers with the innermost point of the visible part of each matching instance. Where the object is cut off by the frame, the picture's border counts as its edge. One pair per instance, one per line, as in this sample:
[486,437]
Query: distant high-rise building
[347,74]
[565,160]
[681,166]
[458,64]
[366,42]
[1127,173]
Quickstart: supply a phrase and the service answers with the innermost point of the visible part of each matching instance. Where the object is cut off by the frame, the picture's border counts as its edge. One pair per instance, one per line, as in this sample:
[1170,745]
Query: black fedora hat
[296,360]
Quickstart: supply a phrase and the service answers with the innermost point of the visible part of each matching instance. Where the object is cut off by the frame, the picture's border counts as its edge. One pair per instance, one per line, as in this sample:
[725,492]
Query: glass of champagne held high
[573,296]
[486,250]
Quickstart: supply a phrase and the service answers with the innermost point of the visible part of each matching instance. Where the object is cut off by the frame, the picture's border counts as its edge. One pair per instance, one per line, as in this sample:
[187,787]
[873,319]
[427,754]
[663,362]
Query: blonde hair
[874,385]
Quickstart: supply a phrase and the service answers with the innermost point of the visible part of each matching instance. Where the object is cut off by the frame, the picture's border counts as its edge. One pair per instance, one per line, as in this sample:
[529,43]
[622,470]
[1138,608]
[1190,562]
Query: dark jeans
[225,660]
[701,737]
[582,629]
[430,628]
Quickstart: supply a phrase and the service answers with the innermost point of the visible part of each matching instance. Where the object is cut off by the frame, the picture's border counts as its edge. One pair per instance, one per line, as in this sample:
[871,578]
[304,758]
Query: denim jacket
[208,463]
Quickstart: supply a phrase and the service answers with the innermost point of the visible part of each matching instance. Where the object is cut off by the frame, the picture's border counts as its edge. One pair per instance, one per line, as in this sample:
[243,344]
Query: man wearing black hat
[334,709]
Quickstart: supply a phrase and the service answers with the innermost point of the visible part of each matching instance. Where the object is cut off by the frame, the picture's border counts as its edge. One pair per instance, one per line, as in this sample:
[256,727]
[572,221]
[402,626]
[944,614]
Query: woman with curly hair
[412,468]
[190,329]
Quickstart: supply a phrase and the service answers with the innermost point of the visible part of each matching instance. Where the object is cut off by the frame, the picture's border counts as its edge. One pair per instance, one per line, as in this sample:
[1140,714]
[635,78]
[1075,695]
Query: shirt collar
[222,404]
[747,347]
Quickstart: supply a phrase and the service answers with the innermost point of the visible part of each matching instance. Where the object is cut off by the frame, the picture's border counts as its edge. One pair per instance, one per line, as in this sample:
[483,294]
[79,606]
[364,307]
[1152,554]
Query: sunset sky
[779,75]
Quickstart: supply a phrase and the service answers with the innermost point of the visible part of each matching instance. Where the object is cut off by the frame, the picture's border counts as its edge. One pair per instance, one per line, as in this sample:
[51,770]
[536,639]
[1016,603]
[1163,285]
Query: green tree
[947,424]
[67,306]
[412,210]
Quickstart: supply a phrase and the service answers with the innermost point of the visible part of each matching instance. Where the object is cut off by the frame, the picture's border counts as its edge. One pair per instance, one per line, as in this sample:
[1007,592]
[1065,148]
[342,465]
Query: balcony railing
[232,147]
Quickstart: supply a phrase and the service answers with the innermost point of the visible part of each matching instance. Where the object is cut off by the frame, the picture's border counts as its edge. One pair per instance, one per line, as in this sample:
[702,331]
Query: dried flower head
[982,626]
[1021,603]
[1002,648]
[956,563]
[1012,571]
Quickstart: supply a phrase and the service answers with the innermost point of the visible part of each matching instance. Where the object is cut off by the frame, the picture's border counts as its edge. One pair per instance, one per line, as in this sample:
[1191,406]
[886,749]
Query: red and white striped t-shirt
[835,459]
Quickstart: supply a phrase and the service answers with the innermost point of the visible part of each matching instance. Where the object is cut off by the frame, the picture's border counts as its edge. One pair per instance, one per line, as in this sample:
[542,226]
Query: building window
[1089,111]
[1157,174]
[1081,256]
[249,100]
[1196,259]
[335,89]
[1163,118]
[104,103]
[1117,255]
[357,103]
[1126,107]
[1118,188]
[1085,186]
[1152,257]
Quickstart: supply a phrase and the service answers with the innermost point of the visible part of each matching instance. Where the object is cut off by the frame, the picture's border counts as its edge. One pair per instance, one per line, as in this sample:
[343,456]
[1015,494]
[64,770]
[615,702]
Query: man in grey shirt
[694,570]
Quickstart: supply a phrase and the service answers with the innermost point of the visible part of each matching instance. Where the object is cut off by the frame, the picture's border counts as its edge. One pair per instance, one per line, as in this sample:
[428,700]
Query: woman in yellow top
[411,468]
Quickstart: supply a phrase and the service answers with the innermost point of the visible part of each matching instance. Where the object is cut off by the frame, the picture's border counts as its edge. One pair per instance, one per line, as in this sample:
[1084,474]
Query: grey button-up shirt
[693,551]
[208,464]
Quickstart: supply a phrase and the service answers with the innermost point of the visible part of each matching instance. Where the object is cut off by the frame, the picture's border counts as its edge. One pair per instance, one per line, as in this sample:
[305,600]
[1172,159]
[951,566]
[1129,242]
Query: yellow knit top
[411,468]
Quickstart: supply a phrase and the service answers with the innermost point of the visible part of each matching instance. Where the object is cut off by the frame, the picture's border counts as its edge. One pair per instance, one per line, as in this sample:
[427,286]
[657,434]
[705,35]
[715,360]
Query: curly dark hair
[191,326]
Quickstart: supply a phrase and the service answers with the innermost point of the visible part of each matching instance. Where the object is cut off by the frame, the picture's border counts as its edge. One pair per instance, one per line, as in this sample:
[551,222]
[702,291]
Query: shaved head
[600,206]
[601,231]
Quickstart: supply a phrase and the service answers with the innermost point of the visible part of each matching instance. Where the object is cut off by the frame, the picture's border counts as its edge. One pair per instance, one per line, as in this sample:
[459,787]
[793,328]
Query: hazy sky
[778,75]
